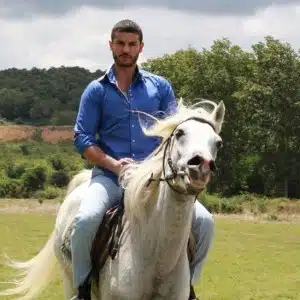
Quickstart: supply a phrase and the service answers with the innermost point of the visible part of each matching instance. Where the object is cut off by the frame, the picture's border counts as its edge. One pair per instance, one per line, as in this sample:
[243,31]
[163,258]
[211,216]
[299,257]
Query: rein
[175,173]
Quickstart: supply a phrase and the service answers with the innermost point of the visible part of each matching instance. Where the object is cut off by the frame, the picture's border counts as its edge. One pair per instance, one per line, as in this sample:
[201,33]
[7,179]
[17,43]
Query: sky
[44,34]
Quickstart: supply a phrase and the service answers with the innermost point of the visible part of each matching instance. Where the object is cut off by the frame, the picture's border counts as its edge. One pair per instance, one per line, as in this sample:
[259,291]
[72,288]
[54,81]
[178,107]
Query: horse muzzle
[199,170]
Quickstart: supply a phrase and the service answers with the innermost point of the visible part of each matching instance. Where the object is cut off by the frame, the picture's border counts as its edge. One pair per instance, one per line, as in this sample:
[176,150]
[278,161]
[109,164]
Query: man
[107,109]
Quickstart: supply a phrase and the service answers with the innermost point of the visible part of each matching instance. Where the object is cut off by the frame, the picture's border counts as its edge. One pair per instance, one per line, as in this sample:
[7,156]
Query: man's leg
[203,229]
[102,193]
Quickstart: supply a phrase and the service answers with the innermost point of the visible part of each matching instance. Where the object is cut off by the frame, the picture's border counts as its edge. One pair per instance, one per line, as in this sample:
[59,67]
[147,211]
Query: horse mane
[135,177]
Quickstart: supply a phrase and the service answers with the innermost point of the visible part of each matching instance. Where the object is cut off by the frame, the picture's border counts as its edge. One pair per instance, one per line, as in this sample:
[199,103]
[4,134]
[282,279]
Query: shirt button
[132,126]
[133,141]
[133,154]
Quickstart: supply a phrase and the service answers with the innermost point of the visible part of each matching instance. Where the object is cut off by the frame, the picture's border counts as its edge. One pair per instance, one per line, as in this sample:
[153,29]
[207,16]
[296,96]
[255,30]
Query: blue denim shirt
[109,118]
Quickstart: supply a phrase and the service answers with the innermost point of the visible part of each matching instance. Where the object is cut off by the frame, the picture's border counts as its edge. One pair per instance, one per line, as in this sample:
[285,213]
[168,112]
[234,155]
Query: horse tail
[35,274]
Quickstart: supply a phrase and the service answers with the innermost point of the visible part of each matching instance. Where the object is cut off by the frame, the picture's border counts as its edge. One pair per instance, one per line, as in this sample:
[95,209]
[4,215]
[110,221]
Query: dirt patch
[16,133]
[57,134]
[51,134]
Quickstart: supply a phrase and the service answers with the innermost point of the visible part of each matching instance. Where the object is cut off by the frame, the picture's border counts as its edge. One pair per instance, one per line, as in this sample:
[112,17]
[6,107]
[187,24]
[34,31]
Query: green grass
[253,261]
[249,260]
[22,236]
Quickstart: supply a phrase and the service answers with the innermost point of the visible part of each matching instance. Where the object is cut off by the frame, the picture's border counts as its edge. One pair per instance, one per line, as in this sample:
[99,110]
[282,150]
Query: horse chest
[126,278]
[133,282]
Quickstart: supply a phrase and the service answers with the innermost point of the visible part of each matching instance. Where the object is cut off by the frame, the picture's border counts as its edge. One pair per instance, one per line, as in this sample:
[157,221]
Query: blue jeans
[104,193]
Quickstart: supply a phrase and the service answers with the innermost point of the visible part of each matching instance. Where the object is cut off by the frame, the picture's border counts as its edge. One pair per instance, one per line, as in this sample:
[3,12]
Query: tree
[271,98]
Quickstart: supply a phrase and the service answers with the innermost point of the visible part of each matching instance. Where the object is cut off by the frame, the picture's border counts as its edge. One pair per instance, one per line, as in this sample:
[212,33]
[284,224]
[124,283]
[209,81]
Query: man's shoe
[84,291]
[192,294]
[82,295]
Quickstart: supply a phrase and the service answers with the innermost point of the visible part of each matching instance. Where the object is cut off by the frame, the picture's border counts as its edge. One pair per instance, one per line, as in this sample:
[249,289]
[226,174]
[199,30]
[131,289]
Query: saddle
[106,242]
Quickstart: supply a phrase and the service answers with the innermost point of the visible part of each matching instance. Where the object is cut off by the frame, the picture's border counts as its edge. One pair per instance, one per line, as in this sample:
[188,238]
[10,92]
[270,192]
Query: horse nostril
[195,161]
[198,160]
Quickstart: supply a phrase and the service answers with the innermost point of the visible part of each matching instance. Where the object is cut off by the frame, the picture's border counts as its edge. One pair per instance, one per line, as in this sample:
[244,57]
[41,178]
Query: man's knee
[204,224]
[87,222]
[207,222]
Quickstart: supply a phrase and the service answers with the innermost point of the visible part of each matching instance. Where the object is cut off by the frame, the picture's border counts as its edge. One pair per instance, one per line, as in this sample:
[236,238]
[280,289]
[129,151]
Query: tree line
[260,88]
[42,96]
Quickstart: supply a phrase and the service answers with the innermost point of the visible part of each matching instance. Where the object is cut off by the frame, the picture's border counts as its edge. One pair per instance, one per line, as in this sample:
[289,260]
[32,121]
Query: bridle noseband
[174,173]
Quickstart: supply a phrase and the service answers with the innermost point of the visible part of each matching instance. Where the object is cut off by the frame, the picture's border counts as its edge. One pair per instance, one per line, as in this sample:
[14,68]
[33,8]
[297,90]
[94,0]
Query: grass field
[250,260]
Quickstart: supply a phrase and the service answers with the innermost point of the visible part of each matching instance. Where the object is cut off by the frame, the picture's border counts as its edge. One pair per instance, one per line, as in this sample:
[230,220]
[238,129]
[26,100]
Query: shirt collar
[111,76]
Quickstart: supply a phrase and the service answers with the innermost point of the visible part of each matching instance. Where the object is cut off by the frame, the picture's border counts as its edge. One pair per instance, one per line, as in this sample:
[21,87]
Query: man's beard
[128,64]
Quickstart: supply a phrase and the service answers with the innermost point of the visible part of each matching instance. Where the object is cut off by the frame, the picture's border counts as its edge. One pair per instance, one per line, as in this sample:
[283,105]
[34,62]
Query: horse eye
[219,144]
[179,133]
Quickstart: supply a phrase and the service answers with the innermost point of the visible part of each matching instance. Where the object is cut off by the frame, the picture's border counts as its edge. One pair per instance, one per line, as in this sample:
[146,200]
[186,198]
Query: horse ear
[218,116]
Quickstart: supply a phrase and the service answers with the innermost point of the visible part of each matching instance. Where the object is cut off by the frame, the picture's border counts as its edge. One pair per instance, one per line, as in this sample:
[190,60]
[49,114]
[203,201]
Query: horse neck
[167,228]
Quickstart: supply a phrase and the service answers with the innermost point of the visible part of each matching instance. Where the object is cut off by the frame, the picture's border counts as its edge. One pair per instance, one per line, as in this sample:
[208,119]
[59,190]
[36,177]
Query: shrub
[11,188]
[24,149]
[37,135]
[246,197]
[216,204]
[34,178]
[49,192]
[57,163]
[59,178]
[229,206]
[262,206]
[14,171]
[211,202]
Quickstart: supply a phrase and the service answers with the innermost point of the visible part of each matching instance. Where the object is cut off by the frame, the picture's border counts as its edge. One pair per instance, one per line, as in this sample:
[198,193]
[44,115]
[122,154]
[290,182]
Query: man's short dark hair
[127,26]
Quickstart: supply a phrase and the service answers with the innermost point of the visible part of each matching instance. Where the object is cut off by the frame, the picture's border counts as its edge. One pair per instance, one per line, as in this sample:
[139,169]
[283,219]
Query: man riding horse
[107,109]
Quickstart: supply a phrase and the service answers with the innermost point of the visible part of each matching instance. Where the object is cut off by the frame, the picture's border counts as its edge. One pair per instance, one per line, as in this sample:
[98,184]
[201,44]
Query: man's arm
[168,104]
[86,126]
[96,156]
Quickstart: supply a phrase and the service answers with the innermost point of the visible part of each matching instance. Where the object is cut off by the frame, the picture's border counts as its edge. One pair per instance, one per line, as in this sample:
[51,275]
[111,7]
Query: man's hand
[95,155]
[121,163]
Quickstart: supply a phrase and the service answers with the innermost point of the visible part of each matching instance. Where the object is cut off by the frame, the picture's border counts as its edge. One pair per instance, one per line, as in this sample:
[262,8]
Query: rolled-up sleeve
[168,104]
[88,117]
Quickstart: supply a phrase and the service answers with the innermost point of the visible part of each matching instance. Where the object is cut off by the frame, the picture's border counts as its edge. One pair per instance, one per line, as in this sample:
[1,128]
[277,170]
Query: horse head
[191,150]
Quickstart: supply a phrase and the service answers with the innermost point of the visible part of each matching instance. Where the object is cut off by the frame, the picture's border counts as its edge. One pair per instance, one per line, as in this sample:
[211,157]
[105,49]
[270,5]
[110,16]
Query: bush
[246,197]
[49,192]
[211,202]
[216,204]
[59,179]
[57,163]
[34,178]
[230,206]
[11,188]
[14,171]
[24,149]
[262,206]
[284,205]
[37,135]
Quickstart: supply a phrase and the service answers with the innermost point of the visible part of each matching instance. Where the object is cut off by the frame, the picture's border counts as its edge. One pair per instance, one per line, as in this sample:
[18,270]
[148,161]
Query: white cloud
[280,21]
[81,36]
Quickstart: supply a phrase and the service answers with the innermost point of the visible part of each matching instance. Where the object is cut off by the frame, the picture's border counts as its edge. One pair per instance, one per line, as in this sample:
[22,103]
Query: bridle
[167,150]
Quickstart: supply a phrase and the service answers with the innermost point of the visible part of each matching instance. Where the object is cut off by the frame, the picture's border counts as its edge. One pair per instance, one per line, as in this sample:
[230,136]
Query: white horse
[152,261]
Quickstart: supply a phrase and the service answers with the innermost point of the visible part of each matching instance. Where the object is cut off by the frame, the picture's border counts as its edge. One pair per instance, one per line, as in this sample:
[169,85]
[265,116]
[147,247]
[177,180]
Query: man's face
[126,48]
